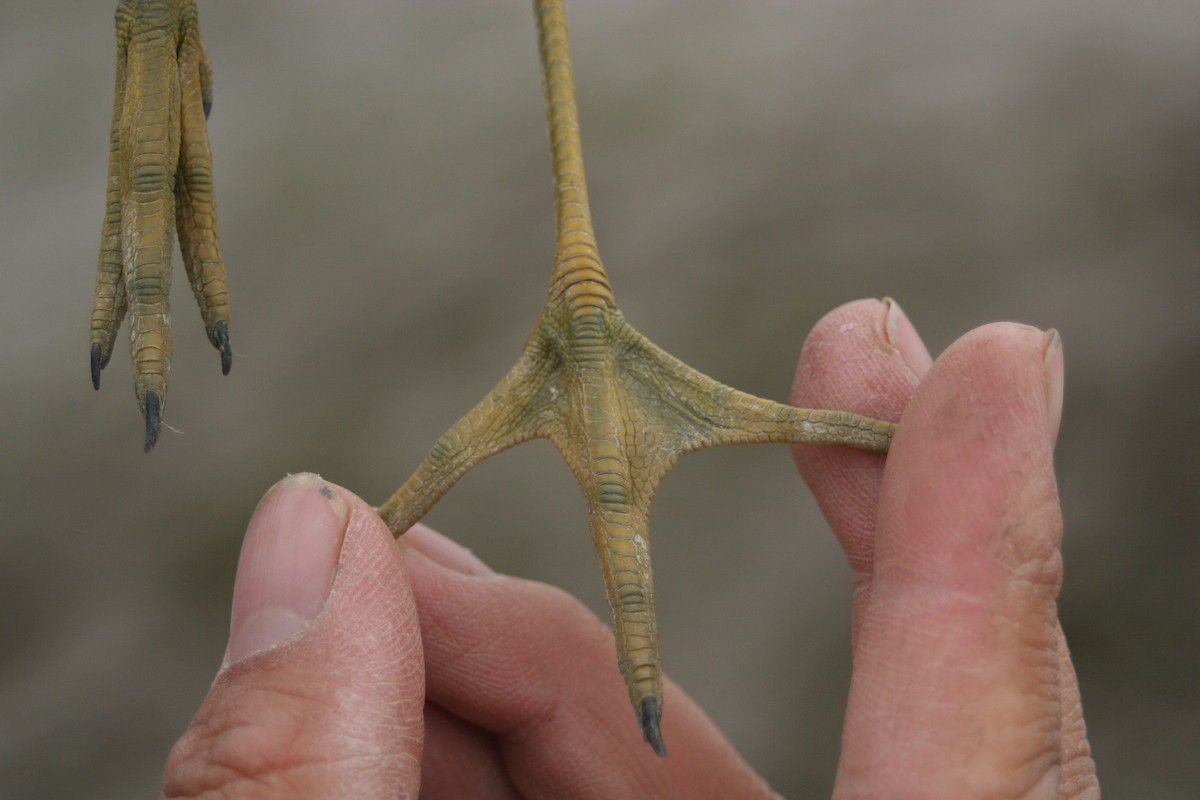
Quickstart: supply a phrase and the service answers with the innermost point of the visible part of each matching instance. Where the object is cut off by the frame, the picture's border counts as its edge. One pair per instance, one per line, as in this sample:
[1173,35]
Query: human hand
[962,686]
[417,666]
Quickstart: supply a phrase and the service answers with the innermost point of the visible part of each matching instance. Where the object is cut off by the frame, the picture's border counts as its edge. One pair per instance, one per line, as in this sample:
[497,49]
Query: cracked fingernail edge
[903,338]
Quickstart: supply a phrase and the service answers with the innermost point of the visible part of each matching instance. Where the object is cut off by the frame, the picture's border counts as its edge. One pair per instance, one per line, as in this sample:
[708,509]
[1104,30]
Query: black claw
[221,340]
[96,365]
[651,731]
[153,418]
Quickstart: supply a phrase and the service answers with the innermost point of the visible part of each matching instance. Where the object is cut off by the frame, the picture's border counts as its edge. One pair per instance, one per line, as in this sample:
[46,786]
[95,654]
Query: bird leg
[619,409]
[159,178]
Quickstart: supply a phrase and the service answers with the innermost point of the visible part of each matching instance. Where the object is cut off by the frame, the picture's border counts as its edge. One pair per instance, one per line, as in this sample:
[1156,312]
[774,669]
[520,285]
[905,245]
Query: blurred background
[385,211]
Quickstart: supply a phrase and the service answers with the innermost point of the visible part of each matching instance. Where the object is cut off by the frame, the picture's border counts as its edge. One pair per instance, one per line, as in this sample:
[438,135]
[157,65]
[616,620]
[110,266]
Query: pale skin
[392,671]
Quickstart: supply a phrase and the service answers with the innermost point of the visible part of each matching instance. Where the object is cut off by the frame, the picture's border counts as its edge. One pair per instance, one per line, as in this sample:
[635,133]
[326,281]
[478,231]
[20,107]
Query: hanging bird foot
[159,182]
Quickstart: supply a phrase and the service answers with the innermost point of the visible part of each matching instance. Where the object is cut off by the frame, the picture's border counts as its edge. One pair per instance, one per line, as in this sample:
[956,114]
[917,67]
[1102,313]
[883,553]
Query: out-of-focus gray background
[385,211]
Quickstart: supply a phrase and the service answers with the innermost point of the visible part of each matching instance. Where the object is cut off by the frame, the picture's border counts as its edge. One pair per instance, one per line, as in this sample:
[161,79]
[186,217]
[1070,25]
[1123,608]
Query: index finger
[864,357]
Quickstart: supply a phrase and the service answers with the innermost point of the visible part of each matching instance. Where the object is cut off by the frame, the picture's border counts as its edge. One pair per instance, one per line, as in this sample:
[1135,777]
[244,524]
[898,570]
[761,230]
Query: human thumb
[321,690]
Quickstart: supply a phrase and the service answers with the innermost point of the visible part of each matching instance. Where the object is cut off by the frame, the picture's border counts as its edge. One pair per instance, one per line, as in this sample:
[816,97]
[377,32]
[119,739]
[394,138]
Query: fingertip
[286,565]
[842,331]
[333,696]
[856,359]
[970,494]
[864,356]
[986,404]
[1009,367]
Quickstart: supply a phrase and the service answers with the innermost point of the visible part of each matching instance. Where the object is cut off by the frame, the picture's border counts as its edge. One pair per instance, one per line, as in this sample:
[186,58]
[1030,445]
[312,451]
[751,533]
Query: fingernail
[899,333]
[444,551]
[1052,358]
[287,563]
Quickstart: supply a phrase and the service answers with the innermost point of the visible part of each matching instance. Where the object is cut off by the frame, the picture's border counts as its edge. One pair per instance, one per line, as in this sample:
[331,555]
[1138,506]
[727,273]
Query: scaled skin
[159,179]
[620,410]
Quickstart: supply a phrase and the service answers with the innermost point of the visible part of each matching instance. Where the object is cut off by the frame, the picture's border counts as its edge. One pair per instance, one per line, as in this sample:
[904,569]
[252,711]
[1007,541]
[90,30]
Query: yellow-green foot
[619,409]
[159,182]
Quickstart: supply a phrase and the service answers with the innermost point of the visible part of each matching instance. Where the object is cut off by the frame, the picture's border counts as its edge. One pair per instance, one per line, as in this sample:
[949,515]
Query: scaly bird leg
[619,409]
[159,176]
